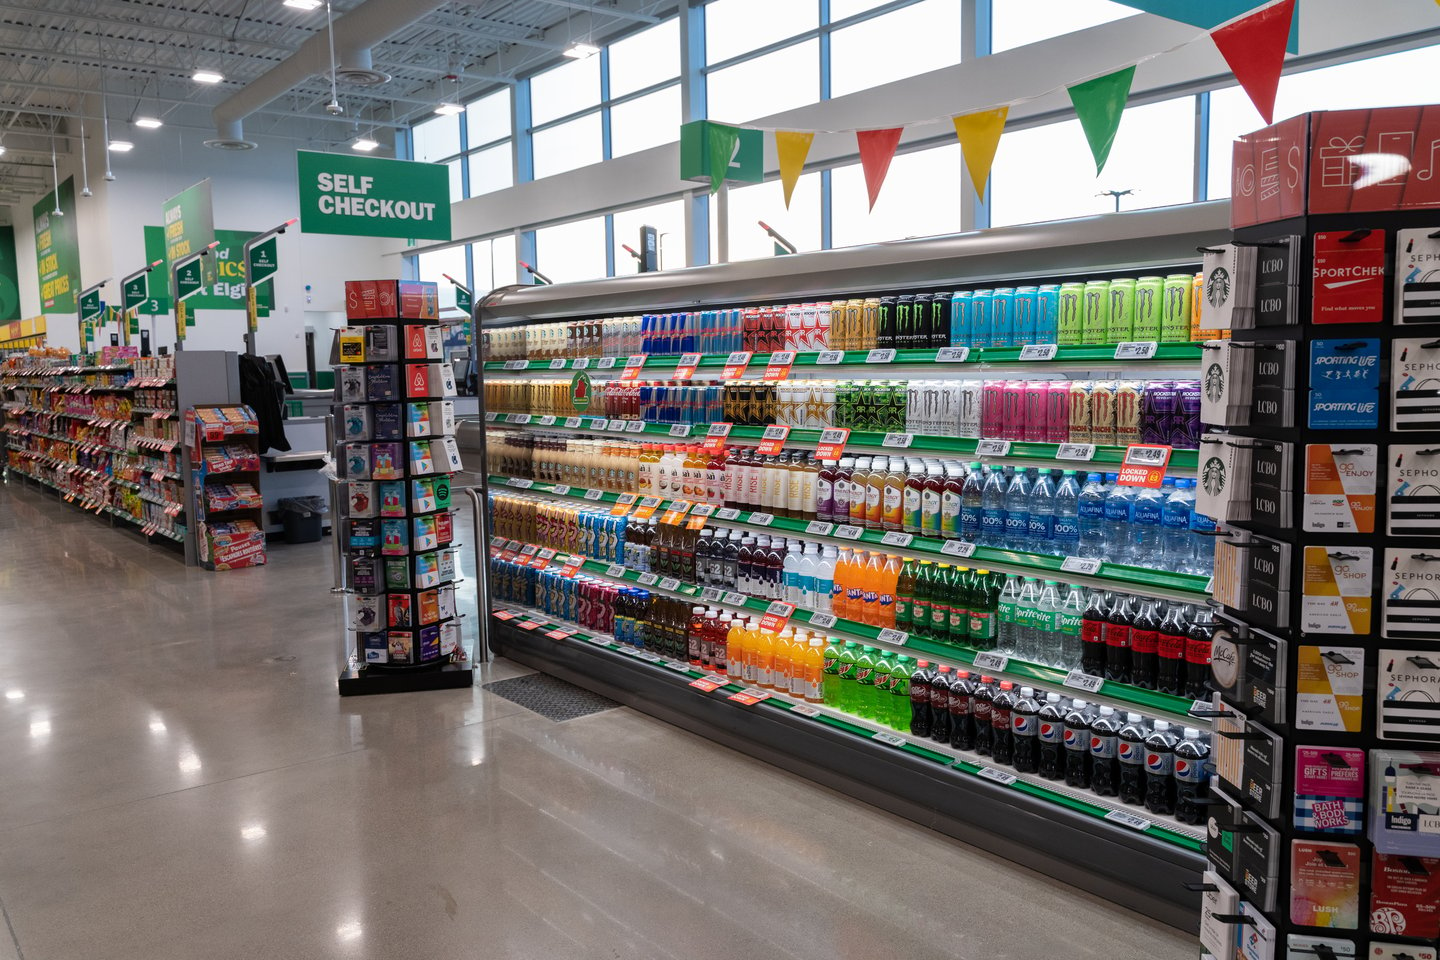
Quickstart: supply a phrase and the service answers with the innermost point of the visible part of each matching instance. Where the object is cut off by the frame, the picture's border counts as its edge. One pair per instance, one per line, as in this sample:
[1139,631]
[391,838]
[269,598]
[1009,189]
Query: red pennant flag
[877,149]
[1255,49]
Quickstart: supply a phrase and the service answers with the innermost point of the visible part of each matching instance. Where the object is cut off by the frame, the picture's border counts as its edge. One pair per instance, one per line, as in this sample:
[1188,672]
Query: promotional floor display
[942,540]
[1326,762]
[396,454]
[224,445]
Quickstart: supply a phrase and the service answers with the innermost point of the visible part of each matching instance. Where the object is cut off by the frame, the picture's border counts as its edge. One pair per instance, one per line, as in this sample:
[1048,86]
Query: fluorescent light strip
[207,76]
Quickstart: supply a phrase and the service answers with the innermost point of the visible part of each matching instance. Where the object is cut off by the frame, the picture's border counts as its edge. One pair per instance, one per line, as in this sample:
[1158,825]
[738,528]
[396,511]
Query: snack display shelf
[1185,355]
[83,444]
[162,502]
[1121,695]
[65,371]
[89,418]
[57,462]
[176,535]
[1142,581]
[156,413]
[1052,455]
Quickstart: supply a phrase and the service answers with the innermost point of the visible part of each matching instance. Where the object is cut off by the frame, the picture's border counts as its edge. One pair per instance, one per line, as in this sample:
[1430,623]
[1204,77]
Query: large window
[563,90]
[488,119]
[920,198]
[907,42]
[645,122]
[733,27]
[434,266]
[1015,23]
[572,251]
[667,218]
[437,138]
[494,263]
[567,146]
[1046,173]
[491,169]
[779,81]
[766,201]
[646,58]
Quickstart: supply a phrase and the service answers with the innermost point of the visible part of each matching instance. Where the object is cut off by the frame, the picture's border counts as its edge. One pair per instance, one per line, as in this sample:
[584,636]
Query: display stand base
[449,676]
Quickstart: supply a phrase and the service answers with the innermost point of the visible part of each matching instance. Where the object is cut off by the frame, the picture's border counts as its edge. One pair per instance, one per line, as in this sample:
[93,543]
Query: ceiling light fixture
[303,4]
[364,145]
[448,109]
[2,149]
[121,146]
[207,76]
[581,51]
[149,123]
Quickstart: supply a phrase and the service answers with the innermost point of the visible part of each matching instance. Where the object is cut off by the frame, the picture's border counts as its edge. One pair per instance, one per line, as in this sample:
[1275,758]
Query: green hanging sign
[373,196]
[464,300]
[91,306]
[190,279]
[712,152]
[134,292]
[264,261]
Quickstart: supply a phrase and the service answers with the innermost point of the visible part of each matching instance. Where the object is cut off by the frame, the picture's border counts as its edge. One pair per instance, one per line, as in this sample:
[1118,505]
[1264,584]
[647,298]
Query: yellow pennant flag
[979,135]
[792,147]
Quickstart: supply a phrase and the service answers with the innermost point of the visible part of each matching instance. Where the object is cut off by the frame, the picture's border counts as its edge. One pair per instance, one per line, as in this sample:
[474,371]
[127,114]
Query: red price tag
[715,437]
[748,698]
[772,441]
[622,505]
[687,366]
[633,366]
[708,684]
[832,443]
[503,615]
[559,634]
[1144,465]
[736,363]
[572,564]
[780,363]
[528,625]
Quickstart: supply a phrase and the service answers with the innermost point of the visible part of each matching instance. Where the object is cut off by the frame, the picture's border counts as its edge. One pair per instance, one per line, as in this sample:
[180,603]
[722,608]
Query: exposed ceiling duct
[355,33]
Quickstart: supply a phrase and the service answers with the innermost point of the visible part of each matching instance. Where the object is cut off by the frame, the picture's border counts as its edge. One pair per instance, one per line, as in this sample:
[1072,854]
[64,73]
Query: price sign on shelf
[716,435]
[622,504]
[546,421]
[992,448]
[761,519]
[676,513]
[615,570]
[517,364]
[699,514]
[522,483]
[898,440]
[881,355]
[736,363]
[689,363]
[605,363]
[832,443]
[490,416]
[561,490]
[528,550]
[620,426]
[734,599]
[572,564]
[999,776]
[890,635]
[581,364]
[896,538]
[647,508]
[727,513]
[713,594]
[633,366]
[805,710]
[594,494]
[748,698]
[503,615]
[679,429]
[1089,566]
[826,358]
[559,634]
[1136,350]
[1038,351]
[822,621]
[648,579]
[781,609]
[992,661]
[772,441]
[599,423]
[847,532]
[952,354]
[770,623]
[1144,465]
[1075,451]
[889,738]
[1081,680]
[669,583]
[634,426]
[820,528]
[958,548]
[779,366]
[1127,819]
[572,422]
[708,684]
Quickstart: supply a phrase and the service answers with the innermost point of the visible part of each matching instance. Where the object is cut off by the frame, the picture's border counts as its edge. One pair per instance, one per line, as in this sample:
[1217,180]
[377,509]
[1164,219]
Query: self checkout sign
[1144,465]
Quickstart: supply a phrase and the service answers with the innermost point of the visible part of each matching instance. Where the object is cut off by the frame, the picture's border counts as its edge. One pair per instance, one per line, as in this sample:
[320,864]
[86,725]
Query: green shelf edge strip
[1164,353]
[1157,831]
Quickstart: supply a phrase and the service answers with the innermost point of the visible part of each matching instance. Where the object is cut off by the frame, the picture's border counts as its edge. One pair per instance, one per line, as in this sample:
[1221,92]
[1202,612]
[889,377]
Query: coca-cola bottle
[1170,650]
[1144,644]
[1092,640]
[1198,641]
[1118,621]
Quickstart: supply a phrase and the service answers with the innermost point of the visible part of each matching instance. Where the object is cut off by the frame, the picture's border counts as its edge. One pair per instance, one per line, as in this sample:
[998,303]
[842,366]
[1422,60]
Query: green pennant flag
[1099,104]
[722,149]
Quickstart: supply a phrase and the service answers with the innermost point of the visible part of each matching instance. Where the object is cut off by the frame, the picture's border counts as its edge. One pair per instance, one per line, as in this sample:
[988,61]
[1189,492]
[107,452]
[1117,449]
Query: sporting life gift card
[1345,384]
[1340,487]
[1349,277]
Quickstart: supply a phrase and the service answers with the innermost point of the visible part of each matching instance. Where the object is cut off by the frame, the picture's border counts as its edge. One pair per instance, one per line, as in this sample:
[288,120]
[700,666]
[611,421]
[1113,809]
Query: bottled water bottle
[1202,543]
[992,514]
[1047,625]
[1090,517]
[825,578]
[1072,613]
[1145,528]
[1017,512]
[1175,541]
[1042,514]
[1117,543]
[1065,531]
[790,570]
[972,506]
[1008,615]
[1026,616]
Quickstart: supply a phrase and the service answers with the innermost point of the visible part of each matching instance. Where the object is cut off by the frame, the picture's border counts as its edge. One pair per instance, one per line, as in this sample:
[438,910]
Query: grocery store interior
[659,478]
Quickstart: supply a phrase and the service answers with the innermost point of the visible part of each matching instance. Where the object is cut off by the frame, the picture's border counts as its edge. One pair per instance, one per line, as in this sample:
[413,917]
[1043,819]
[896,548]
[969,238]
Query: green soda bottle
[920,607]
[880,690]
[845,676]
[862,699]
[960,606]
[984,608]
[905,596]
[898,716]
[940,597]
[830,689]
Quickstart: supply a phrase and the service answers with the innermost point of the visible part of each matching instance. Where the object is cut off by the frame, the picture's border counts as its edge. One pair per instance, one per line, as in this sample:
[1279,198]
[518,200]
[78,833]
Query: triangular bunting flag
[877,149]
[979,135]
[722,148]
[1099,104]
[1255,49]
[792,148]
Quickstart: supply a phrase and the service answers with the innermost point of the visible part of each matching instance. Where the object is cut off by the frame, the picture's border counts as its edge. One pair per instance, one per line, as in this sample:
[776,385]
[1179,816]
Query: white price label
[581,364]
[598,641]
[677,665]
[819,527]
[805,710]
[735,599]
[1202,706]
[891,635]
[884,355]
[1075,451]
[516,364]
[834,435]
[594,494]
[992,448]
[599,423]
[689,360]
[614,570]
[898,440]
[952,354]
[999,776]
[522,483]
[738,359]
[726,513]
[557,364]
[528,550]
[992,661]
[1136,350]
[546,421]
[605,363]
[775,431]
[889,738]
[1089,566]
[679,429]
[1038,351]
[572,422]
[521,418]
[896,538]
[712,593]
[718,430]
[847,532]
[1128,819]
[635,361]
[1081,680]
[620,426]
[826,358]
[780,608]
[822,621]
[958,548]
[490,416]
[1210,586]
[561,490]
[761,519]
[650,658]
[635,426]
[670,583]
[649,579]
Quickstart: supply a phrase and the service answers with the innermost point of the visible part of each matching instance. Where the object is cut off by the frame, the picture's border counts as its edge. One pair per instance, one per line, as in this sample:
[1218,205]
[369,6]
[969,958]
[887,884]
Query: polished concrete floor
[180,780]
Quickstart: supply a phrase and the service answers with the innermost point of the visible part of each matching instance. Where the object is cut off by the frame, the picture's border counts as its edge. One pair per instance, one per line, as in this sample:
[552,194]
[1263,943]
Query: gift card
[1409,691]
[1417,276]
[1330,789]
[1412,594]
[1340,487]
[1414,490]
[1405,896]
[1415,384]
[1349,277]
[1330,688]
[1324,884]
[1338,589]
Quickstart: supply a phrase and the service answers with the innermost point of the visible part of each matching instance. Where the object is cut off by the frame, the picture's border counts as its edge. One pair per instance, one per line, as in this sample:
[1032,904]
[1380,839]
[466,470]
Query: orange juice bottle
[764,658]
[813,690]
[735,650]
[875,494]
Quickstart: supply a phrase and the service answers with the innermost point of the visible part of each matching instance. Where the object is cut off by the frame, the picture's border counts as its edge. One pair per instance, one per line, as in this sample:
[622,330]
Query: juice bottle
[815,675]
[905,596]
[810,488]
[843,472]
[913,517]
[695,635]
[764,658]
[889,589]
[735,650]
[892,516]
[875,494]
[855,588]
[825,490]
[950,502]
[859,485]
[795,507]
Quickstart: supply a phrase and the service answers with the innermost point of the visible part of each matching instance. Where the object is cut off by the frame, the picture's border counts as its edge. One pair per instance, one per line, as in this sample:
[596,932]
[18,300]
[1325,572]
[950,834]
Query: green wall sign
[9,276]
[57,250]
[227,292]
[745,148]
[373,196]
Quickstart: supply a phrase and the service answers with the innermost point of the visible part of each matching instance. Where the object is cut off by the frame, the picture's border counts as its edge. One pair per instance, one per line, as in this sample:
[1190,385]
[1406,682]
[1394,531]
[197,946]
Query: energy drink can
[980,318]
[1080,411]
[1128,397]
[1047,314]
[809,322]
[1023,321]
[968,414]
[824,317]
[960,319]
[887,323]
[904,322]
[1002,320]
[1197,303]
[1069,324]
[1158,411]
[1149,293]
[869,325]
[939,320]
[1037,411]
[1012,426]
[992,409]
[1175,308]
[1095,312]
[920,321]
[1102,412]
[1057,412]
[1185,429]
[1122,310]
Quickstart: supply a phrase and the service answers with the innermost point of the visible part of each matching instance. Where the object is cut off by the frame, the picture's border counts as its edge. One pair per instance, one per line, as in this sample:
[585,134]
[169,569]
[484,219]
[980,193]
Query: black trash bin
[303,518]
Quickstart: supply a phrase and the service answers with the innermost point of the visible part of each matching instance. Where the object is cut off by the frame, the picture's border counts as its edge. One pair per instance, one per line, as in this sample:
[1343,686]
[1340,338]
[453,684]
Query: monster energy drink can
[1095,312]
[960,319]
[980,302]
[1047,307]
[1069,326]
[1122,311]
[1149,291]
[1175,308]
[1002,317]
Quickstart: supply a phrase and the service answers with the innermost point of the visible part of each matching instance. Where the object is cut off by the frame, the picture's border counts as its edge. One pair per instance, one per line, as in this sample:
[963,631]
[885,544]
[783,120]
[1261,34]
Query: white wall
[253,190]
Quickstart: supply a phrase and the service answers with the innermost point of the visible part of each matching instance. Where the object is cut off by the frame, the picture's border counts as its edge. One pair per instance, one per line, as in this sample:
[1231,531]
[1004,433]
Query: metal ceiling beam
[287,115]
[136,24]
[603,11]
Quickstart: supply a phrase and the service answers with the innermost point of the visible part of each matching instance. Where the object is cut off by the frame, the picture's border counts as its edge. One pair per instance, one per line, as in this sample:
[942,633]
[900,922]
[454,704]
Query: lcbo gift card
[1349,277]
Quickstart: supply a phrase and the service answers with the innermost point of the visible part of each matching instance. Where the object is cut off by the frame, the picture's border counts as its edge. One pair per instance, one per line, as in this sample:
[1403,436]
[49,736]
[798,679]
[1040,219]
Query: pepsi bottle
[1024,731]
[1077,744]
[1160,769]
[1050,737]
[1104,751]
[1131,756]
[1192,782]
